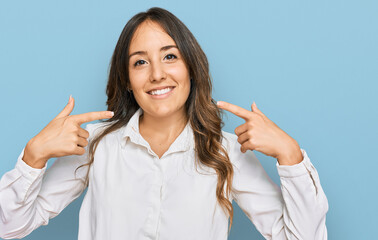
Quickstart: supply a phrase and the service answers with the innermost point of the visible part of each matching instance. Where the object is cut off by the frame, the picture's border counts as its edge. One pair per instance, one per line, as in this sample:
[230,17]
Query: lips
[161,90]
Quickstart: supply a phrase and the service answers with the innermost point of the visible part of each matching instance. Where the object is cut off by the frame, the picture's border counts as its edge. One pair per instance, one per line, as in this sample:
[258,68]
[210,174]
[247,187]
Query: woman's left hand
[261,134]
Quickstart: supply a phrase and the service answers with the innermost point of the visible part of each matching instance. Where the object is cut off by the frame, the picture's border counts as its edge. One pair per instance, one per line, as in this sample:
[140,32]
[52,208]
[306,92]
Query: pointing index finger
[238,111]
[92,116]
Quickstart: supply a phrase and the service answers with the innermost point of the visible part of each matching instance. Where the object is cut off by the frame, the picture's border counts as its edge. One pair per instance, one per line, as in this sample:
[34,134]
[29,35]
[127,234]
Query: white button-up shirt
[132,194]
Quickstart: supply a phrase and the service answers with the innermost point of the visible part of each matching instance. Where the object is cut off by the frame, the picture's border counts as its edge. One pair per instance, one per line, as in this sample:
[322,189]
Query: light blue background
[311,67]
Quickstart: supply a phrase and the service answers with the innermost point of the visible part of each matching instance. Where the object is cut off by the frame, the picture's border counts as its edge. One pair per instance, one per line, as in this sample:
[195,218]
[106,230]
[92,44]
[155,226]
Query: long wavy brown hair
[204,116]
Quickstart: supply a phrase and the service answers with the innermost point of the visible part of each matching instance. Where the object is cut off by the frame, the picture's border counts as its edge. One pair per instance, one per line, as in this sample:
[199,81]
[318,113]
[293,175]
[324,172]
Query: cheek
[137,80]
[181,75]
[179,71]
[185,90]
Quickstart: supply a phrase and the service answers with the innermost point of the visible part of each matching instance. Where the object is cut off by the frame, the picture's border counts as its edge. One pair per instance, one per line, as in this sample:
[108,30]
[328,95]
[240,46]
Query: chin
[164,111]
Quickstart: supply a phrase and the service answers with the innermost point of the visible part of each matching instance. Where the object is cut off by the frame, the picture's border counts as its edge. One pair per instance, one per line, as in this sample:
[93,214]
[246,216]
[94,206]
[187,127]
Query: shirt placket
[159,194]
[152,225]
[153,220]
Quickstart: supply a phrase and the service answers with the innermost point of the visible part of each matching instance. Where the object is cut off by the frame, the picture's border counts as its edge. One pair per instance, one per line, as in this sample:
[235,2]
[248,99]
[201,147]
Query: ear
[129,89]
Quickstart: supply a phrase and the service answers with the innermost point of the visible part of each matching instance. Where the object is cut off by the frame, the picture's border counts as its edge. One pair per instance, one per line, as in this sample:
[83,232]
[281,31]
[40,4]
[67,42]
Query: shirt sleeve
[297,210]
[29,197]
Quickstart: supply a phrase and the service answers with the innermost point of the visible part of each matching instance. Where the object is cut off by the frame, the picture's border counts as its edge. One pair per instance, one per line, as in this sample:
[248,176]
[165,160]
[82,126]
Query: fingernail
[219,103]
[110,114]
[70,99]
[254,103]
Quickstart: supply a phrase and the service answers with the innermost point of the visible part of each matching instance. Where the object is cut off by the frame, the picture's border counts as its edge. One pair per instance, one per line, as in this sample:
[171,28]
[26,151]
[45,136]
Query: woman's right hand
[61,137]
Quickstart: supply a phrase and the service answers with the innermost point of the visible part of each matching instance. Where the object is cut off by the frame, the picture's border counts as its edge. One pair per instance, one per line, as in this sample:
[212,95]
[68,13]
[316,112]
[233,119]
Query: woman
[161,167]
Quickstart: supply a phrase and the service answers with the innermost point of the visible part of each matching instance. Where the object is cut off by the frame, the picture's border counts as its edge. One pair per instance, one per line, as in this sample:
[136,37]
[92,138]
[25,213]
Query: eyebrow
[144,52]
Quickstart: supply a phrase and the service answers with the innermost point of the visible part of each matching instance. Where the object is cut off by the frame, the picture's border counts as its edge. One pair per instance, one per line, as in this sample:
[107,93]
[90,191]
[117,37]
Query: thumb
[256,110]
[67,109]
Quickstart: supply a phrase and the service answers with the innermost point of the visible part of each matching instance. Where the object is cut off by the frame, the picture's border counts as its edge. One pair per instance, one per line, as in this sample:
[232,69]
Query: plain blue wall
[311,67]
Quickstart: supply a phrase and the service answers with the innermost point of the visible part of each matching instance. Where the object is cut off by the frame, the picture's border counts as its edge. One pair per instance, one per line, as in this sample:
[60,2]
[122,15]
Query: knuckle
[75,139]
[249,115]
[72,148]
[75,128]
[71,124]
[252,141]
[250,133]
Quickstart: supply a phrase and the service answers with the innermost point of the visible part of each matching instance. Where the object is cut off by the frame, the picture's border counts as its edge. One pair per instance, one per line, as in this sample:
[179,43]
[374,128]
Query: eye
[139,62]
[170,56]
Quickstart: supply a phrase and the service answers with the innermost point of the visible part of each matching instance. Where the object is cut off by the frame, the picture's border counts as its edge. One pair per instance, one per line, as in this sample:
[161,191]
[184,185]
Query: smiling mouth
[161,91]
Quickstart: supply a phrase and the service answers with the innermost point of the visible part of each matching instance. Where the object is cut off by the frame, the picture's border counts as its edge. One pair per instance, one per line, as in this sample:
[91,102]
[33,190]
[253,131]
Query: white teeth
[161,91]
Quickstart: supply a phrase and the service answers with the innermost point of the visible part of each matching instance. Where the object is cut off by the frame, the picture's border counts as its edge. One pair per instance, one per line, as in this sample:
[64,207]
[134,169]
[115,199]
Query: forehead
[149,35]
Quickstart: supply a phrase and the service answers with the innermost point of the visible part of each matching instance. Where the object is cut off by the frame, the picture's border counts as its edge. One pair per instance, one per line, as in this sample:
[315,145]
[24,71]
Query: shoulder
[96,128]
[230,142]
[228,139]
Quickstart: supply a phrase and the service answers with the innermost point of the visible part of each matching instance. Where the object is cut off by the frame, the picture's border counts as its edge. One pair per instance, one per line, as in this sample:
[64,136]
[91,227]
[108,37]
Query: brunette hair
[204,116]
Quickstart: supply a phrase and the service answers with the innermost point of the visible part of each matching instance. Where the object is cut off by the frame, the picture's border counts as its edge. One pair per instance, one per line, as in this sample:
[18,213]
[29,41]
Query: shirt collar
[183,142]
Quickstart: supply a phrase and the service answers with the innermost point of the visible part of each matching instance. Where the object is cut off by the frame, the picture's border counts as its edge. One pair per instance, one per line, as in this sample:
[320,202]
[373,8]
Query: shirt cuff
[296,170]
[27,171]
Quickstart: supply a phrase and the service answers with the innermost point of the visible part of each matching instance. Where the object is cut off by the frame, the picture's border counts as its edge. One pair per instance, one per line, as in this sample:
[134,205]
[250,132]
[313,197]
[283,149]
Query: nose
[157,72]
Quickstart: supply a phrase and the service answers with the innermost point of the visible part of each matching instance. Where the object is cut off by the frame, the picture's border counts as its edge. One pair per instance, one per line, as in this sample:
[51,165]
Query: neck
[162,127]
